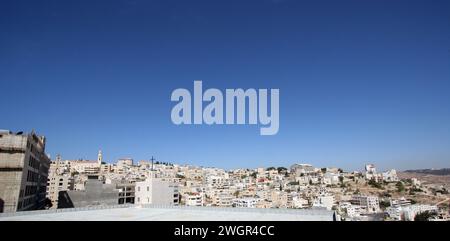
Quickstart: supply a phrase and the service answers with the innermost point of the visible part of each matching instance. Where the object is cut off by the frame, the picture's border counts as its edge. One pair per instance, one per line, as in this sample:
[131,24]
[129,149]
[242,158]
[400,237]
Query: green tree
[400,186]
[385,204]
[375,184]
[424,216]
[386,194]
[281,169]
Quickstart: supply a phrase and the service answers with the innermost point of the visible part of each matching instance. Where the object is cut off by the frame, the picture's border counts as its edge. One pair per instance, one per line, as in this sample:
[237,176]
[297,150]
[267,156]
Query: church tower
[99,158]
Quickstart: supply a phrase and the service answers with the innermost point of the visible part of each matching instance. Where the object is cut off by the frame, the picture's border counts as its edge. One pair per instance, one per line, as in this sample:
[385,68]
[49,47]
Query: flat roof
[141,213]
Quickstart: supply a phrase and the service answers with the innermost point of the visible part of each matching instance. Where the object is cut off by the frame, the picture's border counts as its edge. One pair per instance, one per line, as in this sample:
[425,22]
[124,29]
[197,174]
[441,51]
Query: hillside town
[368,195]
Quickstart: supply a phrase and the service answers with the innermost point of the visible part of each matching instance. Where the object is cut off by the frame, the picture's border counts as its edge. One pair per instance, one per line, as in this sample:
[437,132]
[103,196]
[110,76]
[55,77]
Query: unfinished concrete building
[96,193]
[23,171]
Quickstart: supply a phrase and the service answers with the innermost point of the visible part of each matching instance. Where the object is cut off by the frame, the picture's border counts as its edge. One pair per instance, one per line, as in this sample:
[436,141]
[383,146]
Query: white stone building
[370,203]
[158,191]
[245,202]
[324,200]
[194,199]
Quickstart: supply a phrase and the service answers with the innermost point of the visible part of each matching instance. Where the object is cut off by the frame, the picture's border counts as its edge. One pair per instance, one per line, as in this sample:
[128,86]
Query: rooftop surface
[140,213]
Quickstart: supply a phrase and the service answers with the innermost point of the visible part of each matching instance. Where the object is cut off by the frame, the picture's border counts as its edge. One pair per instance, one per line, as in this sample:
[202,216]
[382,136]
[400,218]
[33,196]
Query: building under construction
[23,171]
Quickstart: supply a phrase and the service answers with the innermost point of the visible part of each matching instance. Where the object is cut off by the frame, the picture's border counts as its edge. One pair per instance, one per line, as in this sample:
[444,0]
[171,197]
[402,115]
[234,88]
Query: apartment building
[106,168]
[302,169]
[23,171]
[409,212]
[298,202]
[247,202]
[59,179]
[126,192]
[370,203]
[401,202]
[158,191]
[84,166]
[125,162]
[57,183]
[193,199]
[222,200]
[324,200]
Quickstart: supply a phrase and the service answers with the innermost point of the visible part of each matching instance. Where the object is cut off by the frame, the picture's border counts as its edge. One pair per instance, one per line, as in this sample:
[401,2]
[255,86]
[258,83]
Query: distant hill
[439,172]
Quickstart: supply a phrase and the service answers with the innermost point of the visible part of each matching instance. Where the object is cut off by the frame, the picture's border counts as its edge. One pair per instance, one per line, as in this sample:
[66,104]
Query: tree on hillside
[424,216]
[400,186]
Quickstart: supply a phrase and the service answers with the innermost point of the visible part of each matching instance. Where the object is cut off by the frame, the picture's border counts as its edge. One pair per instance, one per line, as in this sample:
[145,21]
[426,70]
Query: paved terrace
[169,213]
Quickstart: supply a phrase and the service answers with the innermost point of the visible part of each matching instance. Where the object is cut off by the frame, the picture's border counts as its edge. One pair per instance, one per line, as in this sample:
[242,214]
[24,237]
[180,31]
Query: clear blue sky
[360,81]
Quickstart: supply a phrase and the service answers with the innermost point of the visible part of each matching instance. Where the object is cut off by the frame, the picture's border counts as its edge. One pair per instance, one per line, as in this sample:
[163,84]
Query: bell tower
[99,158]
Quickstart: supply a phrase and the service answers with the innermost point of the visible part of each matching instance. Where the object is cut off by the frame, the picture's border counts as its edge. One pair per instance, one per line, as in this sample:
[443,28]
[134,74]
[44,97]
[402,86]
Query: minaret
[99,158]
[58,161]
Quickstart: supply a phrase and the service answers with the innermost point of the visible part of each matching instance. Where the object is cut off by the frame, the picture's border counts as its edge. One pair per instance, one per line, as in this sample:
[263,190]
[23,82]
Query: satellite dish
[19,133]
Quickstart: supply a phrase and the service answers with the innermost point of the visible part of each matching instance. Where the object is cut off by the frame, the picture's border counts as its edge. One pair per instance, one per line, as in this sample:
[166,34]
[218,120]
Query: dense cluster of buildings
[403,209]
[388,176]
[29,180]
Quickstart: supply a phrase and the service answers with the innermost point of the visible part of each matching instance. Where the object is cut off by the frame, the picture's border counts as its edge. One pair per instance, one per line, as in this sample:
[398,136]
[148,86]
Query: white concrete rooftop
[154,213]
